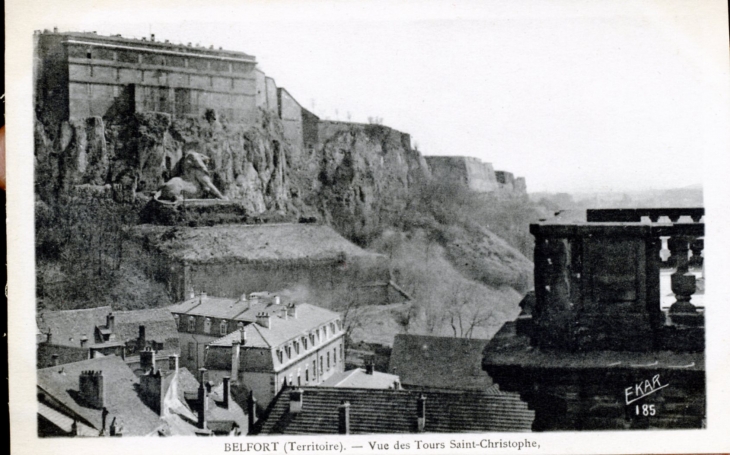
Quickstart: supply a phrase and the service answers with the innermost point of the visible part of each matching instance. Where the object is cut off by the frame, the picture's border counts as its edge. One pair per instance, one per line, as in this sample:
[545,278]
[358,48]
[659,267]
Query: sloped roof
[282,328]
[439,362]
[158,322]
[358,378]
[68,326]
[120,399]
[395,411]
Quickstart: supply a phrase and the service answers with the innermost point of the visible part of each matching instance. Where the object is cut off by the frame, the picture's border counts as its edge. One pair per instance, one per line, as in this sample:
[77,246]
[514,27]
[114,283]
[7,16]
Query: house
[75,335]
[94,397]
[103,397]
[334,410]
[439,362]
[261,342]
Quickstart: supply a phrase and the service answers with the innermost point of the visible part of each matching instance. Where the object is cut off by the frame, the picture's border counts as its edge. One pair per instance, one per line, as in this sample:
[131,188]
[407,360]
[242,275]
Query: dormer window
[311,339]
[318,335]
[332,328]
[177,321]
[339,324]
[191,324]
[240,325]
[324,331]
[296,347]
[288,352]
[304,342]
[280,355]
[224,327]
[206,325]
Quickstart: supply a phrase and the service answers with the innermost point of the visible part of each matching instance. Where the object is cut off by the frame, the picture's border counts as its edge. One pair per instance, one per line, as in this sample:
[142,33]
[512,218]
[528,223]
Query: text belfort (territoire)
[293,446]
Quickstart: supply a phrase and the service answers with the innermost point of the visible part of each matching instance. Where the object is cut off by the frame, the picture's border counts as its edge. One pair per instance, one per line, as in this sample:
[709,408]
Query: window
[224,327]
[177,321]
[314,368]
[288,352]
[280,355]
[206,325]
[321,365]
[324,331]
[191,351]
[317,335]
[332,327]
[328,361]
[311,338]
[296,347]
[304,342]
[334,356]
[306,373]
[341,360]
[191,324]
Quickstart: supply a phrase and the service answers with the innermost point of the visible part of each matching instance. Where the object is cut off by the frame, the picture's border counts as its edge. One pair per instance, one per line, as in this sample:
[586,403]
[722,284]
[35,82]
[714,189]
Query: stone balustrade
[597,284]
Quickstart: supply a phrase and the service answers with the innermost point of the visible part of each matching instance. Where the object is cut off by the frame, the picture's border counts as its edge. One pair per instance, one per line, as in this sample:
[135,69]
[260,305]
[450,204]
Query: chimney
[104,413]
[396,384]
[84,341]
[421,412]
[235,358]
[296,401]
[110,322]
[91,388]
[54,359]
[344,417]
[226,391]
[55,29]
[192,293]
[147,360]
[142,339]
[264,320]
[152,37]
[277,300]
[174,363]
[291,310]
[113,427]
[202,400]
[203,296]
[369,366]
[49,337]
[251,411]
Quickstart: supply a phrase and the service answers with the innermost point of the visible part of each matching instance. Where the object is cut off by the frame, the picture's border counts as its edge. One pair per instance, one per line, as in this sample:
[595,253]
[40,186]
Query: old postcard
[368,227]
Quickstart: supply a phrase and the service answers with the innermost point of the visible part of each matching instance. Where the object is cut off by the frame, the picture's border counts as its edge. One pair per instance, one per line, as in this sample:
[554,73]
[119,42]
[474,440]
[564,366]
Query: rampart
[475,174]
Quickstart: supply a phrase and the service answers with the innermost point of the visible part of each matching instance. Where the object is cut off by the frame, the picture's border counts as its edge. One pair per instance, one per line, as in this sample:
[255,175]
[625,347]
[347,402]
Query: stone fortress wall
[475,174]
[79,75]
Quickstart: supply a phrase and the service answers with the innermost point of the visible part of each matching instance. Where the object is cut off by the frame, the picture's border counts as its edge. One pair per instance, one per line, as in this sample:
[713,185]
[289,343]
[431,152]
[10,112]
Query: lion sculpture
[194,181]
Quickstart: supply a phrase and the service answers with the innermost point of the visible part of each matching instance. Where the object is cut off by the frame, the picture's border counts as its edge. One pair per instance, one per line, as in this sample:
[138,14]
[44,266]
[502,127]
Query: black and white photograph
[368,227]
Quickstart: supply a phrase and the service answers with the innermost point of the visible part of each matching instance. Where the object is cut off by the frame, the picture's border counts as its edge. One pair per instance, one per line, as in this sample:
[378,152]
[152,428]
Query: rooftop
[120,396]
[360,379]
[281,329]
[439,362]
[68,326]
[394,411]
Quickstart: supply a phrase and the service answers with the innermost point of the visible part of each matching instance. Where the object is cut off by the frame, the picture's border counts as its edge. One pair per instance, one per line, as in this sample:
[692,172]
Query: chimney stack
[277,300]
[110,322]
[291,310]
[226,391]
[235,358]
[142,339]
[84,341]
[203,296]
[152,37]
[147,360]
[55,29]
[264,320]
[174,363]
[344,417]
[251,411]
[104,413]
[91,388]
[49,337]
[421,412]
[369,366]
[296,401]
[202,400]
[54,358]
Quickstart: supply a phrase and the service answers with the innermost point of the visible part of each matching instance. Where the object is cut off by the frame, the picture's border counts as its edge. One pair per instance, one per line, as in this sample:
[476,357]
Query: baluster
[664,253]
[683,283]
[696,247]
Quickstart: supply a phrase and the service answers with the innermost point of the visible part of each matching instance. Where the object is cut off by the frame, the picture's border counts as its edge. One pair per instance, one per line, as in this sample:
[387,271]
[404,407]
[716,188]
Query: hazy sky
[572,95]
